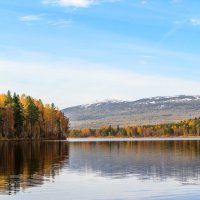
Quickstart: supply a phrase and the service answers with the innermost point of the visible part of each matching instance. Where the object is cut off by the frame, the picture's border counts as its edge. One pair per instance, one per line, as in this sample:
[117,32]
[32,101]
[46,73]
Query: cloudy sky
[73,52]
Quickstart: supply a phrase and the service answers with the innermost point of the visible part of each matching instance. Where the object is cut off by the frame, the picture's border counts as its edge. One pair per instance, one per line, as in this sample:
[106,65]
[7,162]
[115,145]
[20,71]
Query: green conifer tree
[18,115]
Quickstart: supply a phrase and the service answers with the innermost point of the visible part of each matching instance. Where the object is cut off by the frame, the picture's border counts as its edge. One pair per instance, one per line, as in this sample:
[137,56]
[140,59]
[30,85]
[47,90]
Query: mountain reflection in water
[28,164]
[145,159]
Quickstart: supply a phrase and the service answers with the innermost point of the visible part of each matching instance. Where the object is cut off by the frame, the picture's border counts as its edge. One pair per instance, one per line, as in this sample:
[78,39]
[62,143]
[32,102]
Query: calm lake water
[95,170]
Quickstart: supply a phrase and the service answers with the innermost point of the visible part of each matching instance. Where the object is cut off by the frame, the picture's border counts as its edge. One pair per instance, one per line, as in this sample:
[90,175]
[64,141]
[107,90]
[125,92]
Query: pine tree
[33,114]
[18,115]
[9,99]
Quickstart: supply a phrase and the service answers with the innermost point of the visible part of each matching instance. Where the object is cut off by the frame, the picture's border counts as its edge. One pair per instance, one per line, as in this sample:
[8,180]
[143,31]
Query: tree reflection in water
[29,164]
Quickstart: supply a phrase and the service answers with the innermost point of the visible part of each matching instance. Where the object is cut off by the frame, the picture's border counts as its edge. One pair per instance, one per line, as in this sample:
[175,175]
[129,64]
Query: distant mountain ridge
[140,112]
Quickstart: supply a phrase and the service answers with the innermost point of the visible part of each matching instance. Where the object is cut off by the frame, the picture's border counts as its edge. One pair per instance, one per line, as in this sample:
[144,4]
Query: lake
[103,169]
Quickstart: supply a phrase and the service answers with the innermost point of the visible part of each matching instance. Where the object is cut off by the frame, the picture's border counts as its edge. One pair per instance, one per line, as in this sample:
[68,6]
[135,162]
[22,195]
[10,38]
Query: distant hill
[141,112]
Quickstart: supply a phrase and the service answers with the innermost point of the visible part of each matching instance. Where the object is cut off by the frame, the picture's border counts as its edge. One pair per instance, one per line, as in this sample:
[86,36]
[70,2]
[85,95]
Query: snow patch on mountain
[99,103]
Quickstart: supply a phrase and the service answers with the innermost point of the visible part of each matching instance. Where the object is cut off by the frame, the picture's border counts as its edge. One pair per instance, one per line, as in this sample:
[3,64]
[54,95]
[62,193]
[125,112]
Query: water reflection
[25,165]
[29,164]
[156,160]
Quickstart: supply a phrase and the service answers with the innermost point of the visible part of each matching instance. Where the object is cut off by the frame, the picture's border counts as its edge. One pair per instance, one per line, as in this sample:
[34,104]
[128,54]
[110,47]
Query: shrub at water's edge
[23,117]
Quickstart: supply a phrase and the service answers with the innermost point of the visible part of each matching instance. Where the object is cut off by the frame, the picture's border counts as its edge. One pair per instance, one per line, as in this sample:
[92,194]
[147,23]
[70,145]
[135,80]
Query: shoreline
[113,139]
[91,139]
[30,140]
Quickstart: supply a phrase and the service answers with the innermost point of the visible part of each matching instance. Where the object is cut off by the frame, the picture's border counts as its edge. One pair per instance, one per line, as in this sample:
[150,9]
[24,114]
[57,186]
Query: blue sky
[77,51]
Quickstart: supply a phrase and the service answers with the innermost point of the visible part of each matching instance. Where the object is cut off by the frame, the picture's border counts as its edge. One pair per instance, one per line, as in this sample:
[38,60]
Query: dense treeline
[189,127]
[25,117]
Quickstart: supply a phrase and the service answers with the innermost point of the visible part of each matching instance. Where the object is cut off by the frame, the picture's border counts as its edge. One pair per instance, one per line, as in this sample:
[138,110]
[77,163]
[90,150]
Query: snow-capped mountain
[144,111]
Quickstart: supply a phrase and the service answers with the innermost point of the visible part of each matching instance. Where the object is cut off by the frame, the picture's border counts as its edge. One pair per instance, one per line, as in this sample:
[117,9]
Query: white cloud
[75,3]
[144,2]
[72,3]
[60,22]
[30,18]
[75,82]
[195,21]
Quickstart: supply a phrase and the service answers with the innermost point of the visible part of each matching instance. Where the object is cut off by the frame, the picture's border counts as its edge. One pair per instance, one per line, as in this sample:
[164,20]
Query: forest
[185,128]
[23,117]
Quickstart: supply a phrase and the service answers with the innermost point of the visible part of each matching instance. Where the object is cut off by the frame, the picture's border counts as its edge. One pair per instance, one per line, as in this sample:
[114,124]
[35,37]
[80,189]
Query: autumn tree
[26,117]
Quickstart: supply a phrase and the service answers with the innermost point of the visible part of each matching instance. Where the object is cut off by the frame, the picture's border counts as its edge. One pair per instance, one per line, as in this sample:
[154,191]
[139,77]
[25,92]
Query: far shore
[91,139]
